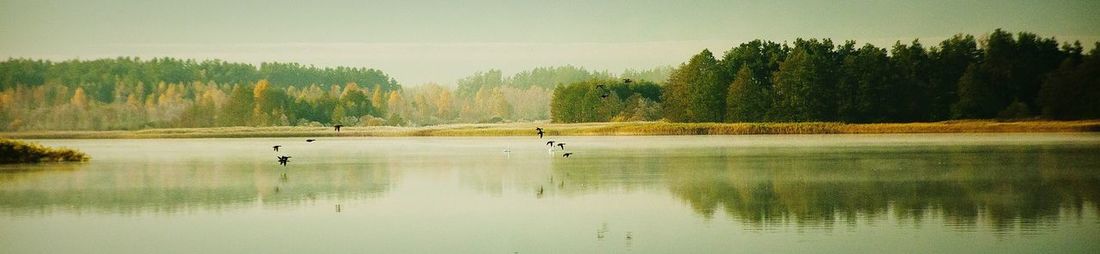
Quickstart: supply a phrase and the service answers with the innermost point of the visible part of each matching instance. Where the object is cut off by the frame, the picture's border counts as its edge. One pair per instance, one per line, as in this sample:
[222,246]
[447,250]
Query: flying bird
[626,80]
[566,155]
[310,140]
[562,145]
[283,160]
[276,147]
[539,130]
[550,143]
[338,127]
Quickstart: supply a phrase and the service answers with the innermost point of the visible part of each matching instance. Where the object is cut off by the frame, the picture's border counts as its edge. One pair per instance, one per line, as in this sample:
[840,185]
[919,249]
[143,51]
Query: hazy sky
[441,41]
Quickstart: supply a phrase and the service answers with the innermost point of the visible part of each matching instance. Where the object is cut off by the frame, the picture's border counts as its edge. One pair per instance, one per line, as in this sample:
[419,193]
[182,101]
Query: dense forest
[607,101]
[130,93]
[1000,76]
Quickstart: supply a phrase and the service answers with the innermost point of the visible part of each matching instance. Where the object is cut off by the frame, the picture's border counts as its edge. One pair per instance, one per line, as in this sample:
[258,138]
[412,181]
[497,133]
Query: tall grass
[14,151]
[586,129]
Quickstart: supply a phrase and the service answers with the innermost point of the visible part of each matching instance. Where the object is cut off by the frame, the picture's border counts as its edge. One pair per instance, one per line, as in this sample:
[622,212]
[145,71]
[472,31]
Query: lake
[921,193]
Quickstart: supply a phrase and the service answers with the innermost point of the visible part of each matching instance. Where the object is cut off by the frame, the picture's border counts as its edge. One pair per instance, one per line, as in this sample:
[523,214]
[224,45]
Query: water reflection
[830,183]
[1002,187]
[124,188]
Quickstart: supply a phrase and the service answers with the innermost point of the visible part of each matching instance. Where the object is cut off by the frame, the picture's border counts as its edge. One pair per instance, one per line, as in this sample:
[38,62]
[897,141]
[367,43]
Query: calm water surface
[985,193]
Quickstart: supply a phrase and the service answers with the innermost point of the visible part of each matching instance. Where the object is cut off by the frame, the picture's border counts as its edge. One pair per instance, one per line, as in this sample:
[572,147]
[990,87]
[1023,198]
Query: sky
[441,41]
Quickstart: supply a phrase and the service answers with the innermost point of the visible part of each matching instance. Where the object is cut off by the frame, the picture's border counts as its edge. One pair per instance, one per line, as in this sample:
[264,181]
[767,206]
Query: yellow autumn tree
[378,101]
[79,98]
[261,100]
[395,102]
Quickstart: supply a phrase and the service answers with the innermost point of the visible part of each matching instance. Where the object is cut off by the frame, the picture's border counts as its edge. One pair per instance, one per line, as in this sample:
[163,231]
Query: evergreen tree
[748,99]
[864,88]
[804,84]
[947,64]
[695,92]
[977,97]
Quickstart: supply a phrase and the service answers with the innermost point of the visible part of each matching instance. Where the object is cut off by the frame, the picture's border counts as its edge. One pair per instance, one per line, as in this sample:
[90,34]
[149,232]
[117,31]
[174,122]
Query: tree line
[998,76]
[607,100]
[491,96]
[129,93]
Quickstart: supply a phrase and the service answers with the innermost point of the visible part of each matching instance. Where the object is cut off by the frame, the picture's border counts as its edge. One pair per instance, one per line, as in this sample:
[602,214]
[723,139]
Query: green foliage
[748,99]
[585,101]
[868,90]
[761,57]
[909,91]
[469,86]
[550,77]
[977,96]
[1001,74]
[659,74]
[1072,90]
[14,151]
[815,81]
[696,91]
[805,83]
[129,93]
[948,62]
[103,74]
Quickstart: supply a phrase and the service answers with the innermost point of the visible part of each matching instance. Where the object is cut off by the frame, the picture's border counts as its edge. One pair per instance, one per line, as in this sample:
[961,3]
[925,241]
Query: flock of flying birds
[552,143]
[283,159]
[604,93]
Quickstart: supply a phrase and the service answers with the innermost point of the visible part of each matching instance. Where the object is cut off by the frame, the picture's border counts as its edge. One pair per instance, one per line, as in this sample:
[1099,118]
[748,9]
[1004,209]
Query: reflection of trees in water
[171,188]
[1003,186]
[628,170]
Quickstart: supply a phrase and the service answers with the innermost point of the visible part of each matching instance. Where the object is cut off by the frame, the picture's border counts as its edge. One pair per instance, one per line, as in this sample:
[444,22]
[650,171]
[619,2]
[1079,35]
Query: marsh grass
[585,129]
[15,151]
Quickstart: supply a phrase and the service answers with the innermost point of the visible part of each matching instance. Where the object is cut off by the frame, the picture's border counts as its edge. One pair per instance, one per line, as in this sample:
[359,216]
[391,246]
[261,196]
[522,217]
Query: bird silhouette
[626,80]
[550,143]
[310,140]
[276,147]
[539,131]
[338,127]
[566,155]
[283,160]
[562,145]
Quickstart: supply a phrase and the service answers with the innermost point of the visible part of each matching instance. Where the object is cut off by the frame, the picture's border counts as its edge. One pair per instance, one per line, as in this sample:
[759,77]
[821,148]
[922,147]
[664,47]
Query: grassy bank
[584,129]
[15,151]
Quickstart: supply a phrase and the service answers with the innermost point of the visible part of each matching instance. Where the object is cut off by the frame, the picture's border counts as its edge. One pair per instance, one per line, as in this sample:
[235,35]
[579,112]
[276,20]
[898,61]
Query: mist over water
[928,193]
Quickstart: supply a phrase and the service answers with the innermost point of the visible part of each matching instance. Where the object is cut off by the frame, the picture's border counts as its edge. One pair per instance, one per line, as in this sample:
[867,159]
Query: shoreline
[579,129]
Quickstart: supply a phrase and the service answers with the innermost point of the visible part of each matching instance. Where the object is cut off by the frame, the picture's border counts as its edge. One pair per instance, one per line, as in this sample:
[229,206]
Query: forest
[131,93]
[997,76]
